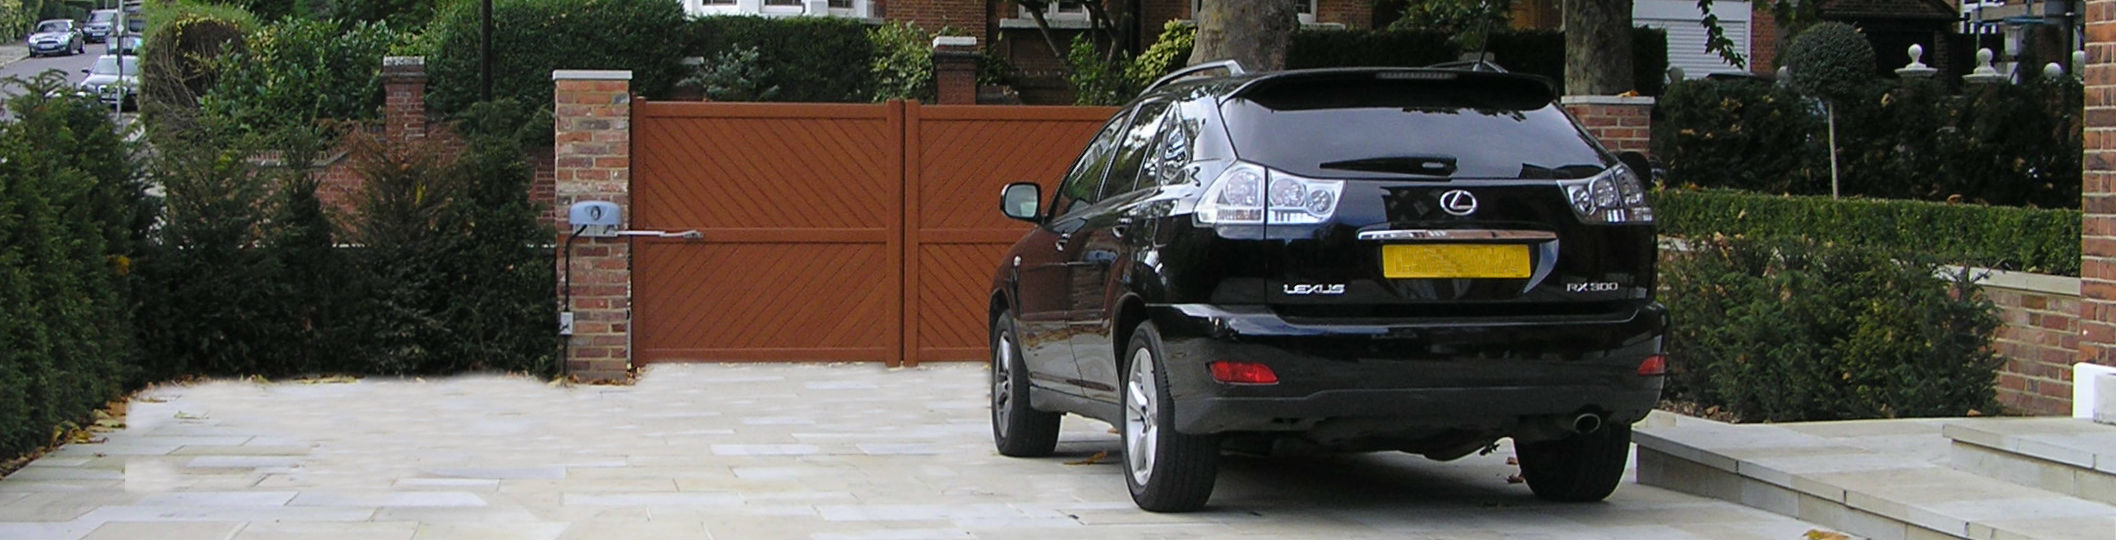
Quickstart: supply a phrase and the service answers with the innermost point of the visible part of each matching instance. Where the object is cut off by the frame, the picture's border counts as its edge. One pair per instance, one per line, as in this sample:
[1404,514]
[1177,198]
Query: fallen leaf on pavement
[1515,479]
[1819,534]
[181,415]
[1091,460]
[1513,461]
[334,379]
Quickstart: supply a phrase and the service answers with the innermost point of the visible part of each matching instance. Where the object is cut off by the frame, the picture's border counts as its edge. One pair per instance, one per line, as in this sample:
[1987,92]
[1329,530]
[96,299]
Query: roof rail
[1232,67]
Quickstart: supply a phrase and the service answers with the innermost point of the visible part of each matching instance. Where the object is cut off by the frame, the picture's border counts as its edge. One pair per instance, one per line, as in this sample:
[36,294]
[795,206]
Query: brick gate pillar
[2097,265]
[1620,122]
[592,119]
[955,70]
[404,98]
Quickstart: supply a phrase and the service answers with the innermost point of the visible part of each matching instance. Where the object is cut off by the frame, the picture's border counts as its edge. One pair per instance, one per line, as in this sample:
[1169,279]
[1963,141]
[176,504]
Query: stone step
[1880,493]
[2070,456]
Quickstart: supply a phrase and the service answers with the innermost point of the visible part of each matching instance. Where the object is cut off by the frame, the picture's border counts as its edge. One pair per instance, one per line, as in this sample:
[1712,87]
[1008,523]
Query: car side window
[1125,175]
[1083,185]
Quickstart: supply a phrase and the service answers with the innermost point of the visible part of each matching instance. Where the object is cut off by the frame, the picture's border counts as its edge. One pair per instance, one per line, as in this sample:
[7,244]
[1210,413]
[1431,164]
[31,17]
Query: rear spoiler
[1233,68]
[1542,86]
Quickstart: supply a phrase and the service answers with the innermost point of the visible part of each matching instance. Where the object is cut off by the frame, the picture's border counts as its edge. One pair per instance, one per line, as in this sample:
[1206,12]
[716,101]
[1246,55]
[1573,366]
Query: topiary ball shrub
[1830,60]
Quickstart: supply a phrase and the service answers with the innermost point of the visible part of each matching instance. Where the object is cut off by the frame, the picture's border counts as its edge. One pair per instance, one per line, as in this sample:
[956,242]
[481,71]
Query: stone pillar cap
[591,75]
[954,41]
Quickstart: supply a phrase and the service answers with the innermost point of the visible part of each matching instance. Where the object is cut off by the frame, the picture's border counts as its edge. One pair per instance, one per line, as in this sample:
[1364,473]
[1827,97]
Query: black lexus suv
[1418,260]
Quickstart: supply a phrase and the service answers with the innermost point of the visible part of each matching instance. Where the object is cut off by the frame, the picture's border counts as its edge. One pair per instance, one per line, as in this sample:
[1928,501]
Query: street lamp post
[116,46]
[485,54]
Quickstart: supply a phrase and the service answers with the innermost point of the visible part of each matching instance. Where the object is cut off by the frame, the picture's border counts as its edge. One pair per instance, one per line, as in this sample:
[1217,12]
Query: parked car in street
[125,45]
[56,36]
[100,25]
[107,82]
[1340,260]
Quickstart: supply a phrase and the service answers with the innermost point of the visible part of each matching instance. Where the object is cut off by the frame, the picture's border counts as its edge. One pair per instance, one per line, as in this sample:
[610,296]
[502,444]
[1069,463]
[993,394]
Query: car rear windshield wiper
[1436,166]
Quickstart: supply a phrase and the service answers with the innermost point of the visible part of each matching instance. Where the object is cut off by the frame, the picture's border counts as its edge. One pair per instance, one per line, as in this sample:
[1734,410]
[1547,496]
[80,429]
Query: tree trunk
[1597,47]
[1255,33]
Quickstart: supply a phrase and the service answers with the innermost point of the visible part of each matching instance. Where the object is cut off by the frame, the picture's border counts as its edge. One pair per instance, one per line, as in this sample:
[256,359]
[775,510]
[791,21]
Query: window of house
[775,8]
[1058,10]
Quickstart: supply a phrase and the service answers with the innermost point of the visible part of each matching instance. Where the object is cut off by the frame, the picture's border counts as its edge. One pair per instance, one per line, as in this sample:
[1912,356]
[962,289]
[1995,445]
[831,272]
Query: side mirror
[1639,165]
[1022,201]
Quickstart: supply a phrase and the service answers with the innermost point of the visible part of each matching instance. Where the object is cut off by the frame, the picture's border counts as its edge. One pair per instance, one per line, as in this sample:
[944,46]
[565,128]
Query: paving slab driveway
[733,451]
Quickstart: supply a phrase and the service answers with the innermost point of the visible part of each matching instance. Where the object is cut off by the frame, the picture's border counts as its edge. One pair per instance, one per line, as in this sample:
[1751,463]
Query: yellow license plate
[1416,261]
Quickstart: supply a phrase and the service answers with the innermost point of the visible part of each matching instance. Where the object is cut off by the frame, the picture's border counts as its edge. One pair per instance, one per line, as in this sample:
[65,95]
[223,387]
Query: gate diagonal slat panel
[831,232]
[965,155]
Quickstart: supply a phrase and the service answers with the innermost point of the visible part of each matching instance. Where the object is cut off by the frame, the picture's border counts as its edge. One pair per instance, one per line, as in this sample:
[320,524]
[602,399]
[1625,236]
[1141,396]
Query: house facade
[1008,30]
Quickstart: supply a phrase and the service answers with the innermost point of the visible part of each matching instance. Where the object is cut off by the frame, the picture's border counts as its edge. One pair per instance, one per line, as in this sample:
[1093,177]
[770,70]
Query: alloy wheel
[1002,383]
[1141,413]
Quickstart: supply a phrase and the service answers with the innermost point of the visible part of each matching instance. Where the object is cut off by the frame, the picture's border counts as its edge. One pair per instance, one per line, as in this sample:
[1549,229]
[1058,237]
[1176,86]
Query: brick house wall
[1763,40]
[932,15]
[1043,69]
[2097,306]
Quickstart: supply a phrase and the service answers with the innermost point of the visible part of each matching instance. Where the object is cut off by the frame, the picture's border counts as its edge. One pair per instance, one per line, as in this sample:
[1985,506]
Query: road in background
[28,68]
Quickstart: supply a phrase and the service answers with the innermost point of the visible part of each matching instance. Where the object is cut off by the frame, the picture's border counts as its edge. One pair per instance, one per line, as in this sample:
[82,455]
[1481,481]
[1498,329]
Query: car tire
[1018,429]
[1167,471]
[1580,468]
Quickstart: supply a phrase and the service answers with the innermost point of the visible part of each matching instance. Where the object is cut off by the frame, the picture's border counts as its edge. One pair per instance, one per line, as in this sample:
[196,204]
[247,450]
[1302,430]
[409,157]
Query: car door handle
[1062,240]
[1123,226]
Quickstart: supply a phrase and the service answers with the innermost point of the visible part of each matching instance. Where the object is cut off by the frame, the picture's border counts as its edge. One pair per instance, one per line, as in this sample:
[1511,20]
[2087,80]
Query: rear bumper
[1483,376]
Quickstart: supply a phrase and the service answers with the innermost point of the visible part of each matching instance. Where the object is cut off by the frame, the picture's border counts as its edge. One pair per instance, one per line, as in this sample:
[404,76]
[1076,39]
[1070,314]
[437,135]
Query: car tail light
[1654,365]
[1243,373]
[1247,194]
[1613,197]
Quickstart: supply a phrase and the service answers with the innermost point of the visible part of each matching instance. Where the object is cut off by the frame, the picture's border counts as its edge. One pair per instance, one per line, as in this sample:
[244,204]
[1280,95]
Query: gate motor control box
[595,219]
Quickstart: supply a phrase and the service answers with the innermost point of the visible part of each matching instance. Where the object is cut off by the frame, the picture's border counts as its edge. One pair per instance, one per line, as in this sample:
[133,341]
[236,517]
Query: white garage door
[1686,37]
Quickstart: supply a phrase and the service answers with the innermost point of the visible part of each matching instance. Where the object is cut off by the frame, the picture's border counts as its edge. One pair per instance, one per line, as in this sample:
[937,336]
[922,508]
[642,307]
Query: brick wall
[593,132]
[1621,123]
[1354,14]
[2039,339]
[2097,306]
[1763,39]
[543,184]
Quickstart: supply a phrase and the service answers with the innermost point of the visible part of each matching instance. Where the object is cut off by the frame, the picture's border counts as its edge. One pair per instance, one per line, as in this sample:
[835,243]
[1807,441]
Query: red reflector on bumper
[1654,365]
[1243,373]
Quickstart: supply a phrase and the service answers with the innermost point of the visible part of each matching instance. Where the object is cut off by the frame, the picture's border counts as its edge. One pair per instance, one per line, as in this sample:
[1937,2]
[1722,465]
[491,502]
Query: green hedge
[2010,144]
[451,274]
[1533,52]
[71,218]
[2012,238]
[295,72]
[1802,330]
[533,37]
[810,59]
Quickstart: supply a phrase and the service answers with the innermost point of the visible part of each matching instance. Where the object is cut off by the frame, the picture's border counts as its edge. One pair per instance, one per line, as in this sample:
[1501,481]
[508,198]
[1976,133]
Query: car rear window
[1388,125]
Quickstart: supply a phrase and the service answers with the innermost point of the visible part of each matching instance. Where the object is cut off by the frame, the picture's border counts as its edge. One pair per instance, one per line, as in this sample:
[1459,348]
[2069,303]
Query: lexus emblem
[1458,202]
